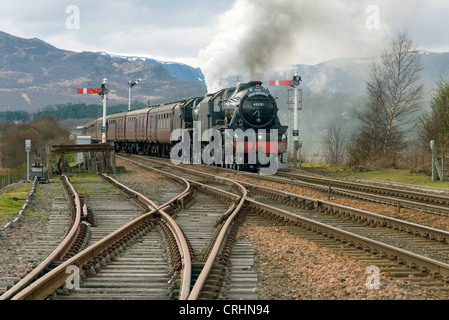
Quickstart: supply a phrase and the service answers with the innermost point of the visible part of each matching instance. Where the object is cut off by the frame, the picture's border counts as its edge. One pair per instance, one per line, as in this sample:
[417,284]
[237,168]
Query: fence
[13,176]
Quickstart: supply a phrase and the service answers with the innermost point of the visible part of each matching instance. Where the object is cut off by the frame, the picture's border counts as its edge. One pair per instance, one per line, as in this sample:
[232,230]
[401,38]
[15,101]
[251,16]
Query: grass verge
[388,175]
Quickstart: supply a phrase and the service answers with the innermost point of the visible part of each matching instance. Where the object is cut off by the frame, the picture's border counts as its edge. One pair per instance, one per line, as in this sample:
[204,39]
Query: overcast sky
[193,31]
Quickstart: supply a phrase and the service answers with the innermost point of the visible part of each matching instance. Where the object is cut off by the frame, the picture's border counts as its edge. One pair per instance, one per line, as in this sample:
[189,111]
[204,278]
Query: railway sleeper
[81,241]
[115,250]
[172,245]
[94,265]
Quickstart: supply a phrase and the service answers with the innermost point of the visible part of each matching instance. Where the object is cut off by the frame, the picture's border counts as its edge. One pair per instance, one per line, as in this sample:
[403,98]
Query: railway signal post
[28,150]
[131,84]
[103,92]
[297,143]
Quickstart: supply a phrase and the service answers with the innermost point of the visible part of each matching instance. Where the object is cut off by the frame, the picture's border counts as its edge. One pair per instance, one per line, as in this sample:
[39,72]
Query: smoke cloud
[253,37]
[258,38]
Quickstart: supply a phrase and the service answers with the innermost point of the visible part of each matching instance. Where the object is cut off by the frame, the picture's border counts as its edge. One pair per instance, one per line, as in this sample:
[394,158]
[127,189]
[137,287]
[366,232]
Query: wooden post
[93,150]
[61,164]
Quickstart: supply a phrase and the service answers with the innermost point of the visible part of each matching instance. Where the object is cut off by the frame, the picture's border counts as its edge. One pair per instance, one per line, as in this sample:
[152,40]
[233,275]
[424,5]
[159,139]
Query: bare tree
[395,93]
[396,89]
[335,142]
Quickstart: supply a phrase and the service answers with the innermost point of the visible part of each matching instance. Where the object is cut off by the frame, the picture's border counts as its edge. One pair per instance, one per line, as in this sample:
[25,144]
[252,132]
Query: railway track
[419,248]
[428,202]
[197,216]
[51,232]
[140,271]
[66,233]
[390,272]
[107,271]
[128,226]
[398,197]
[211,231]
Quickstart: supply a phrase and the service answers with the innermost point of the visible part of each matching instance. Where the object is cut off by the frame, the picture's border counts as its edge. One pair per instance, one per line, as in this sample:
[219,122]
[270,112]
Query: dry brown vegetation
[41,132]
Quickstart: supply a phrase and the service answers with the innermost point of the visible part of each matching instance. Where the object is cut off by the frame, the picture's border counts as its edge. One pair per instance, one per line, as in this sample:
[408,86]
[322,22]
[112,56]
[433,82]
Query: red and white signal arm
[275,83]
[296,81]
[88,91]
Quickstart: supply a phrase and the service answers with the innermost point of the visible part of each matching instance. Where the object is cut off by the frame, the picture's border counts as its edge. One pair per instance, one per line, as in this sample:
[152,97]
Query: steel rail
[224,232]
[183,246]
[414,260]
[376,247]
[374,218]
[432,233]
[399,202]
[438,199]
[181,241]
[59,252]
[53,280]
[349,189]
[215,252]
[179,198]
[57,277]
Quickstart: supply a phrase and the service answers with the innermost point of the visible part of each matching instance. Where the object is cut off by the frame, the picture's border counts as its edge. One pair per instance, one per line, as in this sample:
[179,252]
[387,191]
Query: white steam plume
[259,38]
[254,35]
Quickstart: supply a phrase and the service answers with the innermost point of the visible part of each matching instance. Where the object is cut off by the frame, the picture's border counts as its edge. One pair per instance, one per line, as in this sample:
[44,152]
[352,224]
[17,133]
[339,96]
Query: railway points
[200,204]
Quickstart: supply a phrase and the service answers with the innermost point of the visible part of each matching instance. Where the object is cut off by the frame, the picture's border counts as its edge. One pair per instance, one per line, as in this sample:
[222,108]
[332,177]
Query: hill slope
[34,74]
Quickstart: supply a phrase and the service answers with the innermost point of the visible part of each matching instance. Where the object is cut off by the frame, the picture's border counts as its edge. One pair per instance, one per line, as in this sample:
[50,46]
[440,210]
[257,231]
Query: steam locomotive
[235,127]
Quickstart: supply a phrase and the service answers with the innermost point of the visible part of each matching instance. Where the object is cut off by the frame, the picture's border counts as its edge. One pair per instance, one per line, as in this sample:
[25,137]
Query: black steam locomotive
[235,127]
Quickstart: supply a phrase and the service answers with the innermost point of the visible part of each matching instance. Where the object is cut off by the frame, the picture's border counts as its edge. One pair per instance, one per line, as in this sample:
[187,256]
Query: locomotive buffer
[103,92]
[294,83]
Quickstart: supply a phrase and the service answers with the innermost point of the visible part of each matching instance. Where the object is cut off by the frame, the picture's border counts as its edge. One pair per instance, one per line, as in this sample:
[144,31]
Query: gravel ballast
[291,268]
[288,267]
